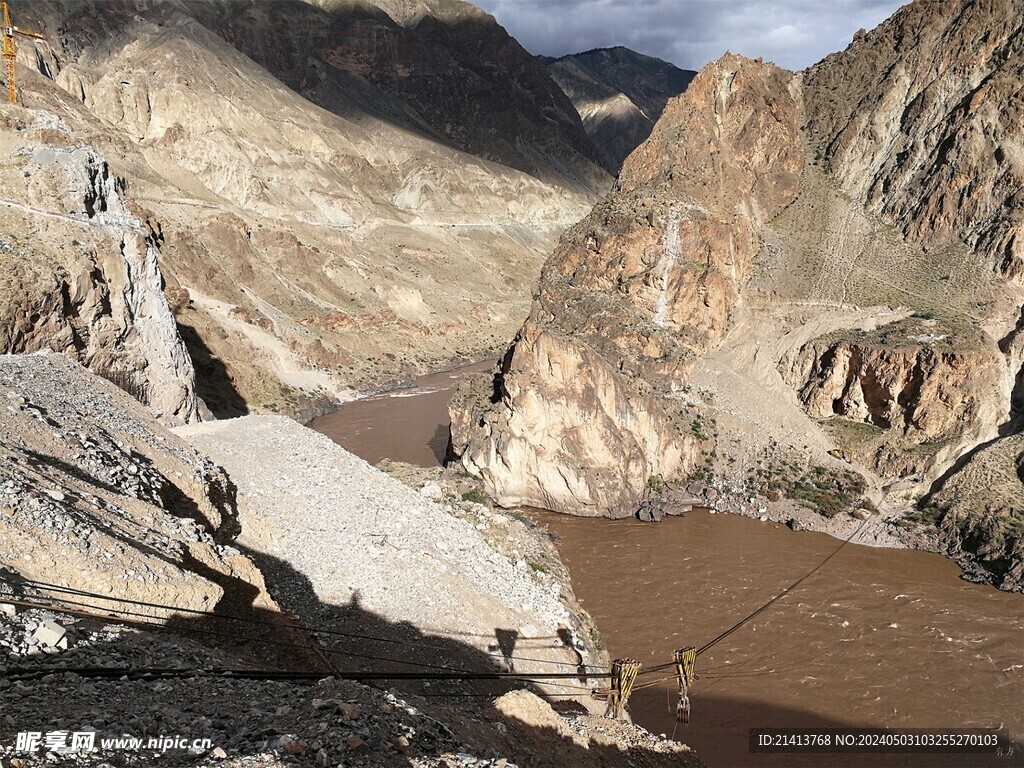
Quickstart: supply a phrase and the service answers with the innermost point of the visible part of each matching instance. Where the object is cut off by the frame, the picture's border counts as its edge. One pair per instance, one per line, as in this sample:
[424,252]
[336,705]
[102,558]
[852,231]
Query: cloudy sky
[690,33]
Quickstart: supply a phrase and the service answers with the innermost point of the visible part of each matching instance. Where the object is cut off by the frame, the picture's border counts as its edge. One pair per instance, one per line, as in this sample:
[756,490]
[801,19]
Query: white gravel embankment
[362,537]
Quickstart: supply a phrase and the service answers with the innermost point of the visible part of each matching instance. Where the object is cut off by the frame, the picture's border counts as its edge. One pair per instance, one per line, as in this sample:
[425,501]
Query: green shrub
[477,496]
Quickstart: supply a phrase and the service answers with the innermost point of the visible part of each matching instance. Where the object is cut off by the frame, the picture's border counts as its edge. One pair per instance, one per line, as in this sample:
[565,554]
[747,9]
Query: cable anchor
[623,675]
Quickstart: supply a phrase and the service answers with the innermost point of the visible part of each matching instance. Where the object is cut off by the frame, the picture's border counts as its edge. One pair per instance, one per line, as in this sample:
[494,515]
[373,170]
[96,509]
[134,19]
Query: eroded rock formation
[923,120]
[922,391]
[631,295]
[80,268]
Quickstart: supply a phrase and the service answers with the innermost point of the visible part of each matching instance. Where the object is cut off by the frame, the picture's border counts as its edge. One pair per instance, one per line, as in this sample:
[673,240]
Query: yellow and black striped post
[623,675]
[685,659]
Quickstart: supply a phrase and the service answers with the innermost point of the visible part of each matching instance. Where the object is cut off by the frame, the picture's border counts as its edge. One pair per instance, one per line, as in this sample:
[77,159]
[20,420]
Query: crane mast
[10,51]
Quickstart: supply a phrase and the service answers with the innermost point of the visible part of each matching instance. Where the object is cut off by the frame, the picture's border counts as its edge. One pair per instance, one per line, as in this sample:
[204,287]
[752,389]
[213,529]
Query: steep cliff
[927,393]
[632,295]
[922,120]
[619,94]
[80,271]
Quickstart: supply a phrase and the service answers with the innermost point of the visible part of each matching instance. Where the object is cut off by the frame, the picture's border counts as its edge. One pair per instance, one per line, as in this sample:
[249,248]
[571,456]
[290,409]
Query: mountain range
[619,94]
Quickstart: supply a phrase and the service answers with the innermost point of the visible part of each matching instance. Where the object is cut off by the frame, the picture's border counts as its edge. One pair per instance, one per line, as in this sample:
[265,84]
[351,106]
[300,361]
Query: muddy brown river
[876,638]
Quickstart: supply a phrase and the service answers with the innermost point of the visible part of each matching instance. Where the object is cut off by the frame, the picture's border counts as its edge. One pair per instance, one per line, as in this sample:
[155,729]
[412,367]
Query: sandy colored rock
[323,221]
[160,534]
[631,296]
[81,274]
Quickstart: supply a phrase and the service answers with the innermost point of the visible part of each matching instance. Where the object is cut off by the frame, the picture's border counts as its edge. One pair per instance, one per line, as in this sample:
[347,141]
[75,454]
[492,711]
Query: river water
[409,425]
[875,638]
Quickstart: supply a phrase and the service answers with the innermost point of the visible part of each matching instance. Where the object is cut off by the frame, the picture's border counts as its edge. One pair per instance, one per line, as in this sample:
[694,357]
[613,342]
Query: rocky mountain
[445,68]
[619,94]
[96,492]
[803,290]
[322,220]
[923,120]
[81,274]
[631,297]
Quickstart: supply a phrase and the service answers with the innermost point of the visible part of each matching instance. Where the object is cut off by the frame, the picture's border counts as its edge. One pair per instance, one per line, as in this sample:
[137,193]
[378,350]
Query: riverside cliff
[631,297]
[794,269]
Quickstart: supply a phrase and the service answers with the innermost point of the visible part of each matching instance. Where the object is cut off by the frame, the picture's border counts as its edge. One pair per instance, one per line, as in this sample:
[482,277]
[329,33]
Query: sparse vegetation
[697,428]
[851,435]
[829,492]
[702,474]
[477,496]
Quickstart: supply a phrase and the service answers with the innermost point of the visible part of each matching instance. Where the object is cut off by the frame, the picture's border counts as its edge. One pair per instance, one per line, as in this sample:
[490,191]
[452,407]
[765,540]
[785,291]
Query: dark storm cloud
[690,33]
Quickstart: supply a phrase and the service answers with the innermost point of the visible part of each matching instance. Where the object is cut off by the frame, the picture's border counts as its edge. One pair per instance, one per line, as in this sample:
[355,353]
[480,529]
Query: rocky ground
[341,537]
[370,575]
[240,722]
[95,493]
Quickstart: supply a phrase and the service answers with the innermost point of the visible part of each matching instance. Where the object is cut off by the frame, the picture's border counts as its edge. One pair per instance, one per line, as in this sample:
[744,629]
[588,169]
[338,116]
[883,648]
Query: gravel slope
[341,541]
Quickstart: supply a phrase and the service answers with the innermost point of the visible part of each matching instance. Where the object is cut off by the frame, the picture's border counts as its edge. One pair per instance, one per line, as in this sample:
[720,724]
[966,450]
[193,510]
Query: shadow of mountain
[213,382]
[308,636]
[440,441]
[355,640]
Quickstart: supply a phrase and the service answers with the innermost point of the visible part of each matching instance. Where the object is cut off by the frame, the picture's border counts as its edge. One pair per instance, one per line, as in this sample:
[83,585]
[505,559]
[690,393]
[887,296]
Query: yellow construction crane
[10,51]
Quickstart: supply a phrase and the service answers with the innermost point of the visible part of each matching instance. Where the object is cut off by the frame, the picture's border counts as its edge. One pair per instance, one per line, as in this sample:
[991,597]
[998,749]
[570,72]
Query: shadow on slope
[213,381]
[252,717]
[454,75]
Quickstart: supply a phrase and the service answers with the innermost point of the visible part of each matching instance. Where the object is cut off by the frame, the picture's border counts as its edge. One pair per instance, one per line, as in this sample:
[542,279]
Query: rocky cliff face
[922,121]
[926,395]
[631,295]
[619,94]
[80,267]
[559,428]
